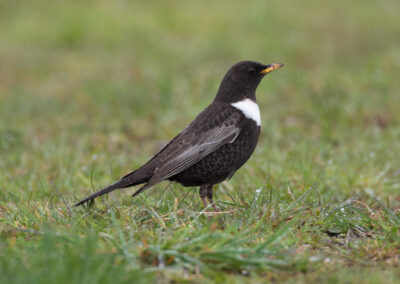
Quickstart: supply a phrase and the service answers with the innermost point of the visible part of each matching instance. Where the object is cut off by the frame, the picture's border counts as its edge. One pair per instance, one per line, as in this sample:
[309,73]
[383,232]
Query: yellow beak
[271,67]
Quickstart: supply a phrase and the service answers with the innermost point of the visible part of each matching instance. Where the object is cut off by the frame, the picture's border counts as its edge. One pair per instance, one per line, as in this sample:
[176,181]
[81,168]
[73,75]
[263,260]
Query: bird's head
[242,79]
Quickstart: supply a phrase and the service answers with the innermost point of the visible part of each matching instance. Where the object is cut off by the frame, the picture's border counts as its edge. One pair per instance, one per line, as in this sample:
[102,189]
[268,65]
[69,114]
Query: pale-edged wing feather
[192,153]
[206,134]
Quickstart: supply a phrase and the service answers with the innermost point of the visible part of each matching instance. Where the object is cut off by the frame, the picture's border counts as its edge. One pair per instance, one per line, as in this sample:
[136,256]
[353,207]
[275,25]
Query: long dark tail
[126,181]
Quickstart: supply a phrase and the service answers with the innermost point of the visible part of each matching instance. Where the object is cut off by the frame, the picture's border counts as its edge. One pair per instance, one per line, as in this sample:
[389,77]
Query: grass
[90,90]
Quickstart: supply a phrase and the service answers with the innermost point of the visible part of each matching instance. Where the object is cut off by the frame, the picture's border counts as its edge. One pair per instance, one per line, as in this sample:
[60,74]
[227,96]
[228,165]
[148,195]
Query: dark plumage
[215,145]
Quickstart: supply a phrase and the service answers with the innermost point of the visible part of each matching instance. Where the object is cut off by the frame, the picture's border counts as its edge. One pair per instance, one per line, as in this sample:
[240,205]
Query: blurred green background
[89,90]
[117,79]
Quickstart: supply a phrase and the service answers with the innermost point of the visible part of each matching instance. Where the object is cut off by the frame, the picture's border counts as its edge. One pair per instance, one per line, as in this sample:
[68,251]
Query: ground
[89,90]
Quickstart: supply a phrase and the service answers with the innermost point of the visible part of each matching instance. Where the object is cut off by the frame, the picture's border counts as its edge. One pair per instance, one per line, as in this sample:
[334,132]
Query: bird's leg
[203,194]
[210,196]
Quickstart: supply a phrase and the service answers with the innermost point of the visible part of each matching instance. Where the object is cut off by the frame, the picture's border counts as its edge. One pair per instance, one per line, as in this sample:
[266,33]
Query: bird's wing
[206,134]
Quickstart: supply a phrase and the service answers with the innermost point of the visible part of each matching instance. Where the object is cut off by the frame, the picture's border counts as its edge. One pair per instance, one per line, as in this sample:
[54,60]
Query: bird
[214,145]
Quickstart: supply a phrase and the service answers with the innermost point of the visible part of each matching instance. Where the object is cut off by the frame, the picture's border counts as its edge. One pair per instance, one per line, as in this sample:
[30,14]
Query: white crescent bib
[249,109]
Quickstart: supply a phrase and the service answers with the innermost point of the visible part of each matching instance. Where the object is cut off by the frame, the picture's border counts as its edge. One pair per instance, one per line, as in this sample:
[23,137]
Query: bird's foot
[203,198]
[212,204]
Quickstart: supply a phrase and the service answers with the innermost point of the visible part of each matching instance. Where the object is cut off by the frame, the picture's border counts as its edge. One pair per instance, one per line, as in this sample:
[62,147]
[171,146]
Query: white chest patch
[249,109]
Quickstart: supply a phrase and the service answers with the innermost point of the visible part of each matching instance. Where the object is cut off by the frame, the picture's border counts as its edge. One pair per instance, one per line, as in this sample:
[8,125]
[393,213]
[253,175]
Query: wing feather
[198,142]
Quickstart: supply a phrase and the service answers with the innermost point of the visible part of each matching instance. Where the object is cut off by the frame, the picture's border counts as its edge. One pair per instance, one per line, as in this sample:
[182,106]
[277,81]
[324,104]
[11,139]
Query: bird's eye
[252,70]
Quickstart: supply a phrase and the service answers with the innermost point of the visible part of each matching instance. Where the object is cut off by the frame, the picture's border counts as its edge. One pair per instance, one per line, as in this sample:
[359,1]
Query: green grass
[89,90]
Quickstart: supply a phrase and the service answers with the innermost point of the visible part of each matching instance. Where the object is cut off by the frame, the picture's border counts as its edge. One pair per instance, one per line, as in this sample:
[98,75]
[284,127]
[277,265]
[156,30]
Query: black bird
[215,145]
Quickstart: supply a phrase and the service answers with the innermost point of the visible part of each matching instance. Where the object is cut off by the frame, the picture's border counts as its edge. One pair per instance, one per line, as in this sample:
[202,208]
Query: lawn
[89,90]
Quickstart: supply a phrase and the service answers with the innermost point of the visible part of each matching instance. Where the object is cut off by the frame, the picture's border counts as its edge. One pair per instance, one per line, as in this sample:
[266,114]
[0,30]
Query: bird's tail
[126,181]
